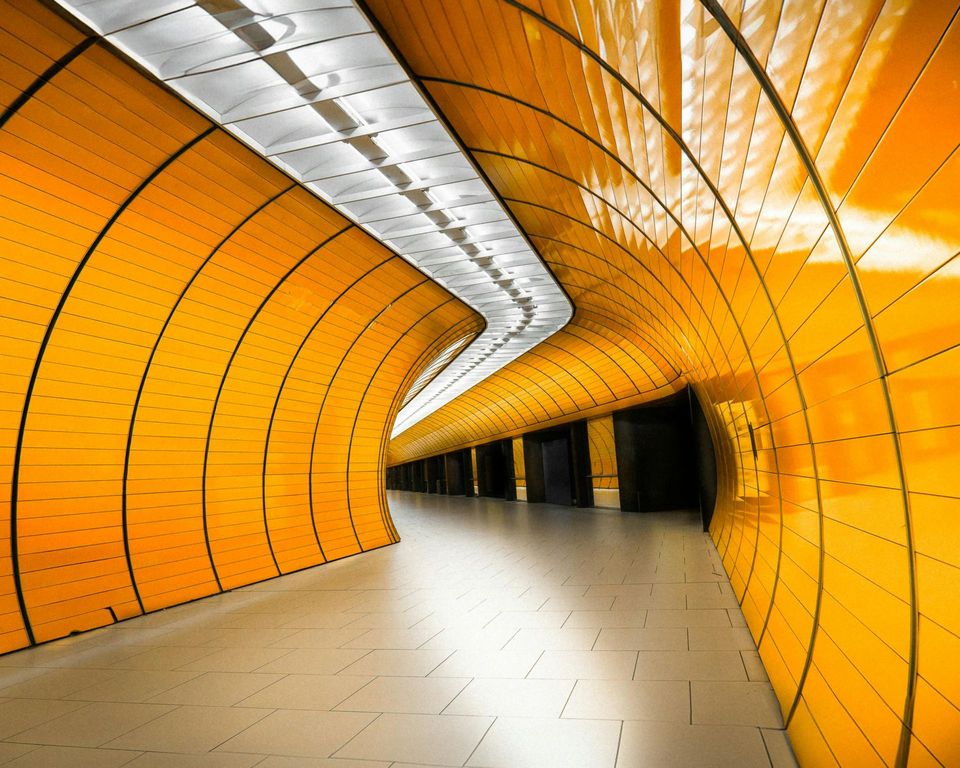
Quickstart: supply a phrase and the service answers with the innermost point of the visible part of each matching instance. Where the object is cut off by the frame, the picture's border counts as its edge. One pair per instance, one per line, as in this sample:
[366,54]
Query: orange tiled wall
[200,361]
[603,453]
[761,199]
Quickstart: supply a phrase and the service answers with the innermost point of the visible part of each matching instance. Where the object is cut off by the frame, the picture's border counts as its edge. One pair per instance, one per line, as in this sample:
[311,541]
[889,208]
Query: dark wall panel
[656,461]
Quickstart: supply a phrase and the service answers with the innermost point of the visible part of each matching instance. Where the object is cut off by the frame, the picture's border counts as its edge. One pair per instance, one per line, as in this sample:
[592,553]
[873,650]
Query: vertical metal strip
[18,453]
[813,173]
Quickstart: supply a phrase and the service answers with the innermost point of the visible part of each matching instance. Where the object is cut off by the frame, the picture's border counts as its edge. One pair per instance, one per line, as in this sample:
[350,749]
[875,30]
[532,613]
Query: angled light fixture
[313,88]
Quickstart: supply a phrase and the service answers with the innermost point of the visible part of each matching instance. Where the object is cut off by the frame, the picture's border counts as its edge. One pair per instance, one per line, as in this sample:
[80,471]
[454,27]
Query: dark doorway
[495,470]
[467,464]
[454,470]
[418,479]
[665,456]
[557,466]
[436,475]
[706,460]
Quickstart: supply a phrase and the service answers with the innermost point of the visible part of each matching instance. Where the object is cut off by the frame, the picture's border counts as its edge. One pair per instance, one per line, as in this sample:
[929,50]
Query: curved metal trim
[48,334]
[813,173]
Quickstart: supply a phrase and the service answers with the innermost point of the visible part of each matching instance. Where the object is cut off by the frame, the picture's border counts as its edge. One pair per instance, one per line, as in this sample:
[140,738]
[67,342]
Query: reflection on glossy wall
[759,198]
[201,362]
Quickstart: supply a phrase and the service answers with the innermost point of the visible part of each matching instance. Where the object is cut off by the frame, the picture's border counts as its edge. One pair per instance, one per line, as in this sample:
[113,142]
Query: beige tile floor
[496,635]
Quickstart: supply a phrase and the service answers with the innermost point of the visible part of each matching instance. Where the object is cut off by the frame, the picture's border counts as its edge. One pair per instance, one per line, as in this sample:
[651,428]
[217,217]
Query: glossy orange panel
[767,213]
[201,361]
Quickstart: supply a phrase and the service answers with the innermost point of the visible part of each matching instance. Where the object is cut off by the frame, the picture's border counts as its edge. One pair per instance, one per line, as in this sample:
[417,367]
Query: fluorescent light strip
[313,88]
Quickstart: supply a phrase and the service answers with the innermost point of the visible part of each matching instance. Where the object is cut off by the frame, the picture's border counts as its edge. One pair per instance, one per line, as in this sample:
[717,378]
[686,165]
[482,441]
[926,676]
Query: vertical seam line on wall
[223,381]
[326,392]
[15,488]
[283,384]
[814,175]
[411,376]
[146,373]
[363,397]
[42,79]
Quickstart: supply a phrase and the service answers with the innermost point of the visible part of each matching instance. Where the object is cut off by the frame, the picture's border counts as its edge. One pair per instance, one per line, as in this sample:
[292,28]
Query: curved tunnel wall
[759,199]
[201,362]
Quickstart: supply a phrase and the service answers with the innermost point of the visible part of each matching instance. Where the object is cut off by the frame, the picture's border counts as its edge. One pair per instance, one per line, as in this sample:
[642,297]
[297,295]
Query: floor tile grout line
[332,755]
[473,751]
[616,757]
[569,696]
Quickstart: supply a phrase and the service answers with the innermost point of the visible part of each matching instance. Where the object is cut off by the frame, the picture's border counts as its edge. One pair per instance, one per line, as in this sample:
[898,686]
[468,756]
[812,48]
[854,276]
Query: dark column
[454,472]
[656,461]
[436,478]
[495,475]
[706,459]
[582,471]
[418,476]
[557,488]
[557,465]
[509,471]
[533,467]
[467,463]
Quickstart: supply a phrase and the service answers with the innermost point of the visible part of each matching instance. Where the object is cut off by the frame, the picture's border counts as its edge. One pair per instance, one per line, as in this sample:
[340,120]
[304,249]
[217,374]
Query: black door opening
[454,470]
[495,470]
[665,458]
[557,466]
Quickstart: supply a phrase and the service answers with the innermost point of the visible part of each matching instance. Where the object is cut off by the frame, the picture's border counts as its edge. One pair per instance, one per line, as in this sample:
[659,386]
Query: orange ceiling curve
[201,362]
[758,199]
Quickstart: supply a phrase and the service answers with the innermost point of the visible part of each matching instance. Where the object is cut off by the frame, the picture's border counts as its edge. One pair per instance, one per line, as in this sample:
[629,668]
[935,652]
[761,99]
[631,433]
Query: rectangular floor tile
[630,700]
[93,725]
[411,695]
[299,733]
[585,665]
[319,762]
[680,745]
[190,729]
[311,661]
[456,638]
[688,618]
[219,689]
[18,715]
[539,743]
[529,620]
[133,685]
[721,639]
[428,739]
[319,692]
[488,663]
[319,638]
[235,660]
[51,684]
[585,603]
[512,698]
[395,639]
[642,639]
[565,639]
[690,665]
[72,757]
[390,663]
[606,619]
[208,760]
[735,703]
